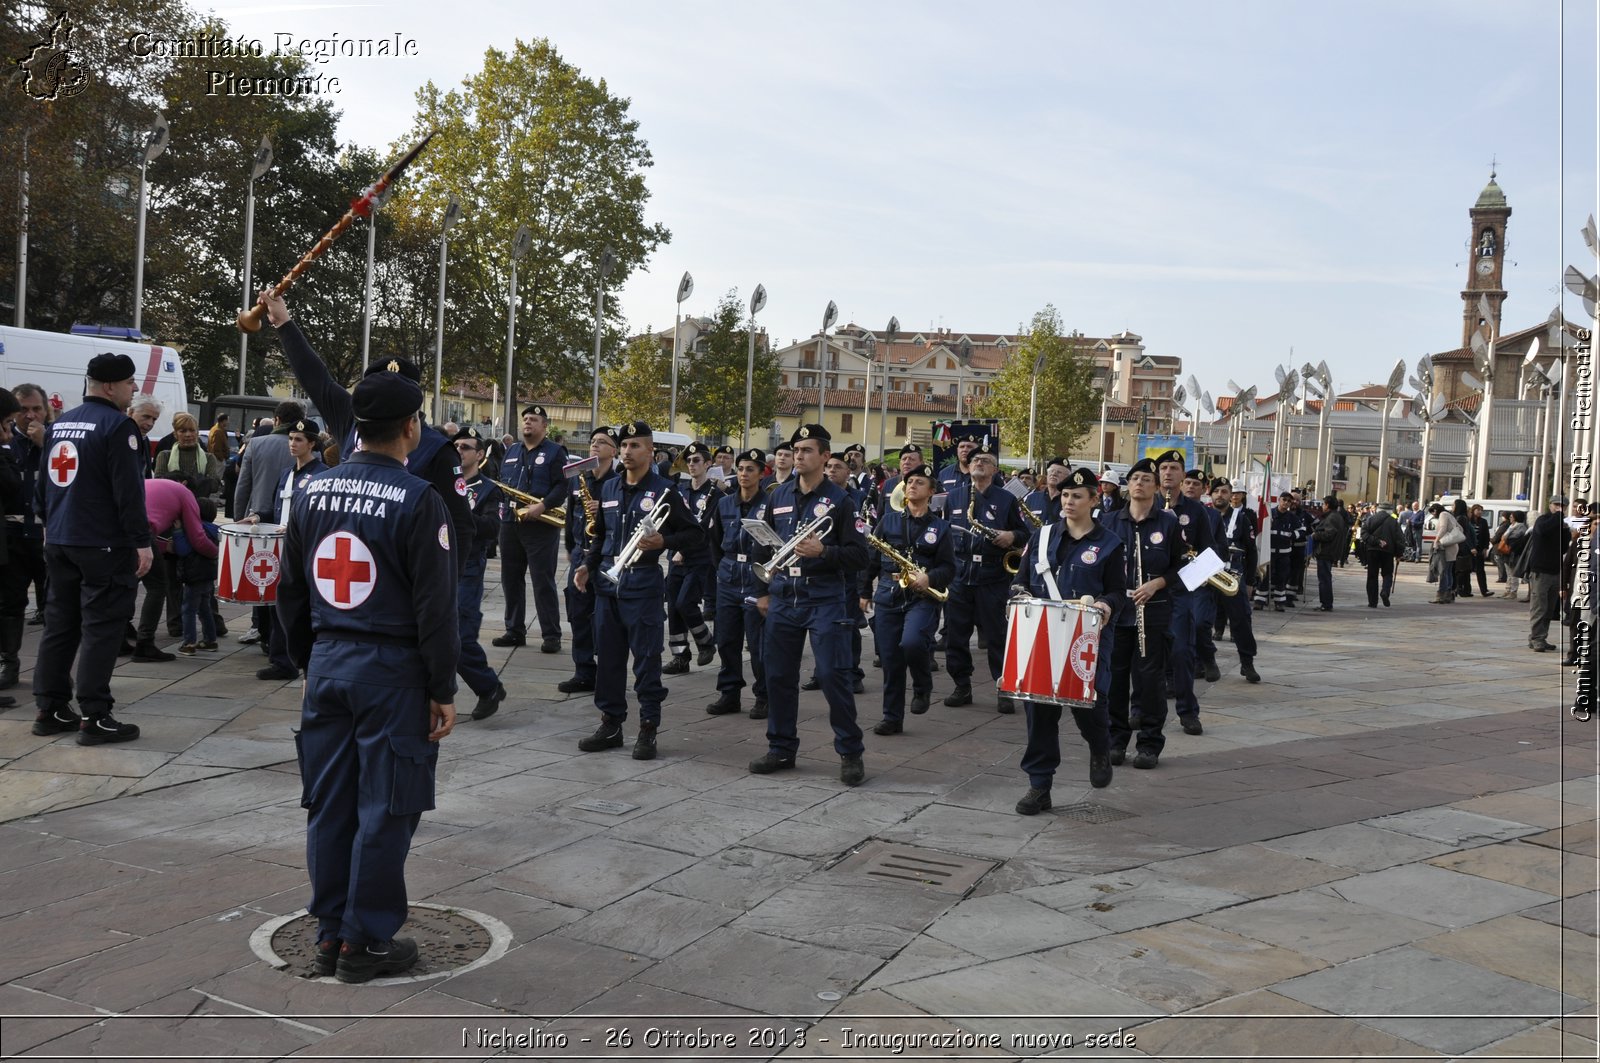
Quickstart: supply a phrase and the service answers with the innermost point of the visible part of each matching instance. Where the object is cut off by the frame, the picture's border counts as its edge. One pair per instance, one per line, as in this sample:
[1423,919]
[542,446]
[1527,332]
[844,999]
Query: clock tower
[1486,259]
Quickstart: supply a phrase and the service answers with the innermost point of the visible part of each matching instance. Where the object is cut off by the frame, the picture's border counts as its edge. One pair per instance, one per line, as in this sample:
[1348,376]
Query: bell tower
[1486,259]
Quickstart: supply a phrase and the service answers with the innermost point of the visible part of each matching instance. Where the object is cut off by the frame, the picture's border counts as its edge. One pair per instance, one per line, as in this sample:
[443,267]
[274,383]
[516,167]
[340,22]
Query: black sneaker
[771,762]
[1212,672]
[550,646]
[811,684]
[727,703]
[1145,760]
[679,665]
[489,704]
[575,685]
[607,736]
[99,730]
[274,673]
[1006,705]
[758,711]
[707,653]
[644,746]
[56,721]
[363,963]
[859,686]
[1117,756]
[503,640]
[1099,772]
[919,704]
[149,651]
[851,771]
[1191,725]
[887,726]
[1033,802]
[327,958]
[961,695]
[1249,672]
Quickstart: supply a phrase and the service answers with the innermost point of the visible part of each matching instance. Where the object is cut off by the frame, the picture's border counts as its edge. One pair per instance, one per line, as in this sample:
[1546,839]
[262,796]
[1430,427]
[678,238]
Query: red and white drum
[1052,649]
[249,562]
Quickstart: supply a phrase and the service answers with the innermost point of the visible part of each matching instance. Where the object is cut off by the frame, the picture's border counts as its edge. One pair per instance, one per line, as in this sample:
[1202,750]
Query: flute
[1138,574]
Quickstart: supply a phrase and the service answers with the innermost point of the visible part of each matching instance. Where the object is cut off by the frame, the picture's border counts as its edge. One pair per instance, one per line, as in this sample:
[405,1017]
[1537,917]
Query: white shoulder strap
[1041,561]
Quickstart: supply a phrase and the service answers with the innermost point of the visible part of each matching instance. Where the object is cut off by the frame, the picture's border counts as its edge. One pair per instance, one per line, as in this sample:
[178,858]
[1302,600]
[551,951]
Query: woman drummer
[1077,557]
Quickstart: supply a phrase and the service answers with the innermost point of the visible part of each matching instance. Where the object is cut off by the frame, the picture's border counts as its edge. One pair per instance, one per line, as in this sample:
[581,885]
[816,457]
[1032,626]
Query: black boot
[679,665]
[10,646]
[607,736]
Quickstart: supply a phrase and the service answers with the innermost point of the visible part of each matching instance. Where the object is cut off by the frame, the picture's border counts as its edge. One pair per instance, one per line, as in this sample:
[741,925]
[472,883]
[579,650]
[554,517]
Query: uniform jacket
[21,512]
[1237,543]
[91,486]
[1160,551]
[483,499]
[577,516]
[536,471]
[832,576]
[979,561]
[622,507]
[927,540]
[733,551]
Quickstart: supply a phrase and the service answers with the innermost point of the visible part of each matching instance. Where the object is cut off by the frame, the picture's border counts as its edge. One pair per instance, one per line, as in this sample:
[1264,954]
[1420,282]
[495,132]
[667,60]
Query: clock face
[1485,266]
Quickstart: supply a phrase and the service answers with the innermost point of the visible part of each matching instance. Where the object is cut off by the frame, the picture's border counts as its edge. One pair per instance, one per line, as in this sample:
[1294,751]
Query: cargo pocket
[308,796]
[414,761]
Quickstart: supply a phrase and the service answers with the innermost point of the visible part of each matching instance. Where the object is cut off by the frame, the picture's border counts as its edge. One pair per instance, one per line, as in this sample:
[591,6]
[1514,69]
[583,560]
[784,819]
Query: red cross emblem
[63,463]
[1083,656]
[262,569]
[345,572]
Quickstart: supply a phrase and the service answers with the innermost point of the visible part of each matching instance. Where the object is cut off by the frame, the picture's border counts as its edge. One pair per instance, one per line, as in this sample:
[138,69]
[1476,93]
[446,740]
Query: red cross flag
[63,463]
[345,572]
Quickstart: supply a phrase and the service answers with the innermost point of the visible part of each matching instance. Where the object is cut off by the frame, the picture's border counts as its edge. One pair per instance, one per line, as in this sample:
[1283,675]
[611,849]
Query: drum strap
[1041,562]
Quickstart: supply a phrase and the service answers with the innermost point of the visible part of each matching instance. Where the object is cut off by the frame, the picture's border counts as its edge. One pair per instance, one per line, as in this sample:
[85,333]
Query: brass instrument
[786,553]
[909,569]
[1012,562]
[1033,518]
[897,497]
[631,551]
[1225,582]
[1138,576]
[591,526]
[556,517]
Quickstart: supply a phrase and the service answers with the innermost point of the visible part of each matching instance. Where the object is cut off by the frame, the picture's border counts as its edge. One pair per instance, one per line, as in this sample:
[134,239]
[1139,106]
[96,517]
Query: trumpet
[556,517]
[591,526]
[909,570]
[1225,582]
[651,523]
[819,527]
[1012,562]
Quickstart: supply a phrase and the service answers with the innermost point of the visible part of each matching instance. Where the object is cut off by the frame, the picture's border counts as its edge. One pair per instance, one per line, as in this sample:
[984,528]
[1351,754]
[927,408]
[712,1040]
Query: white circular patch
[646,504]
[444,536]
[1088,556]
[261,569]
[461,486]
[1082,665]
[539,460]
[1156,538]
[63,463]
[819,509]
[1184,519]
[930,537]
[133,441]
[344,570]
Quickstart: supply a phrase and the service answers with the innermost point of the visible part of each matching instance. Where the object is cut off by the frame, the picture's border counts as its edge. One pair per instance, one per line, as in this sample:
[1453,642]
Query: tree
[635,389]
[711,385]
[528,140]
[1068,400]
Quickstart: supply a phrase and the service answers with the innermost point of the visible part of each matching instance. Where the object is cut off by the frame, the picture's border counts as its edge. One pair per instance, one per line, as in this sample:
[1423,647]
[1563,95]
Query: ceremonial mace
[250,320]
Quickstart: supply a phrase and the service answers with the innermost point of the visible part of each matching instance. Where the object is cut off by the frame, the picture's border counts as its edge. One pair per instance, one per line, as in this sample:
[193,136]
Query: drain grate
[892,863]
[1087,812]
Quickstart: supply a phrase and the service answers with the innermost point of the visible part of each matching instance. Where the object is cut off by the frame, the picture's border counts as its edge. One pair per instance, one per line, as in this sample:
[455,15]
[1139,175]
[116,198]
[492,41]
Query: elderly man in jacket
[1541,564]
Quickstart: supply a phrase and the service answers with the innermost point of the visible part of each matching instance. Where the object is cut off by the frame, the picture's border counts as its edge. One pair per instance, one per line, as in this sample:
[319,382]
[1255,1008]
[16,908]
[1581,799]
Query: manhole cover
[889,862]
[449,941]
[1085,812]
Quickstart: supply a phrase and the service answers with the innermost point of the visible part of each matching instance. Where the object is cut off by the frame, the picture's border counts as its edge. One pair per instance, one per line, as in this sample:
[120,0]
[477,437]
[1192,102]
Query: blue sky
[1229,180]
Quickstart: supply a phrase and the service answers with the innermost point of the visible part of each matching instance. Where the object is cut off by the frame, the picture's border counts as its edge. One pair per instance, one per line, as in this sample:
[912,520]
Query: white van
[58,362]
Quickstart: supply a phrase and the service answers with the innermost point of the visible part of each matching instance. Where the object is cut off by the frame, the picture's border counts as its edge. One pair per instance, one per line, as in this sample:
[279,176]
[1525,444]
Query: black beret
[386,397]
[470,433]
[1142,465]
[911,448]
[1221,481]
[1082,477]
[855,448]
[986,445]
[111,368]
[1057,461]
[925,471]
[811,431]
[632,430]
[404,366]
[605,430]
[1195,474]
[699,448]
[536,410]
[724,449]
[308,427]
[785,445]
[754,454]
[1171,455]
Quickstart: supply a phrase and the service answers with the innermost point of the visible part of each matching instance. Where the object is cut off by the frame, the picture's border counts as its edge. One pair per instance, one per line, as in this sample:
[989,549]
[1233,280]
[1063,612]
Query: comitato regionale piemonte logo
[51,73]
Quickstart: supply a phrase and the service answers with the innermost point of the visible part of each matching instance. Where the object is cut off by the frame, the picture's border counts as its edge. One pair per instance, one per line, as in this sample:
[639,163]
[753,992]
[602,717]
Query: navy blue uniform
[367,600]
[1091,565]
[290,486]
[1287,537]
[978,595]
[1205,646]
[689,580]
[808,597]
[1143,676]
[24,545]
[905,619]
[953,476]
[628,613]
[1044,505]
[90,495]
[1237,544]
[580,604]
[528,548]
[1188,607]
[739,622]
[483,498]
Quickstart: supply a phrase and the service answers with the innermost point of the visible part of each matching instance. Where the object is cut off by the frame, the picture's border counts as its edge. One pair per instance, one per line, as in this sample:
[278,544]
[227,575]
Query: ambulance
[58,362]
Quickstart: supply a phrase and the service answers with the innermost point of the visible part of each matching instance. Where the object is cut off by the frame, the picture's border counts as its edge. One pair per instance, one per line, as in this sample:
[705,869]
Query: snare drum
[1052,649]
[249,561]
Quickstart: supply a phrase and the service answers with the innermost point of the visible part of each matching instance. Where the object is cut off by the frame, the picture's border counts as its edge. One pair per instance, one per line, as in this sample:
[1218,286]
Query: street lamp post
[452,214]
[829,316]
[608,262]
[758,299]
[261,164]
[1396,377]
[155,144]
[520,244]
[1033,403]
[888,350]
[685,289]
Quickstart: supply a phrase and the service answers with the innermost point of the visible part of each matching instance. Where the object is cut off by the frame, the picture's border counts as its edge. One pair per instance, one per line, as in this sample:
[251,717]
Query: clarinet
[1138,574]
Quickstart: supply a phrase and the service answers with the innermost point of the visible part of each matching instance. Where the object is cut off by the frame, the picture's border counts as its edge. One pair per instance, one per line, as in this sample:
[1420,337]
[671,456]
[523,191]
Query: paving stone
[650,923]
[591,873]
[923,957]
[24,1031]
[1534,811]
[810,840]
[21,845]
[170,775]
[1543,1043]
[1575,913]
[1453,826]
[494,801]
[1319,925]
[639,1008]
[154,903]
[511,840]
[1533,867]
[1409,981]
[32,793]
[962,830]
[550,975]
[789,795]
[527,917]
[847,914]
[384,1035]
[1276,1025]
[1525,949]
[735,966]
[1071,849]
[738,877]
[40,938]
[1578,838]
[1131,899]
[67,876]
[842,1034]
[1434,895]
[696,826]
[189,1024]
[1251,871]
[171,702]
[1001,926]
[1358,847]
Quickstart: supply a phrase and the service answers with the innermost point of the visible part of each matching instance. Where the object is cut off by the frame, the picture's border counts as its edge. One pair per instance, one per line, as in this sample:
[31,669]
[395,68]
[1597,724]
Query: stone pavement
[1386,849]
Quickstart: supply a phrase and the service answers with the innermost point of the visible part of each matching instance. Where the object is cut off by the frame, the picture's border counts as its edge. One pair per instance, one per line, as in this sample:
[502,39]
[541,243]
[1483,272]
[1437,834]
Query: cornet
[786,553]
[1225,582]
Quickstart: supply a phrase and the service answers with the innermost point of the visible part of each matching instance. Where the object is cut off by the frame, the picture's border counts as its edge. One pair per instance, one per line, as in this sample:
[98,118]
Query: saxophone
[1012,562]
[591,527]
[909,570]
